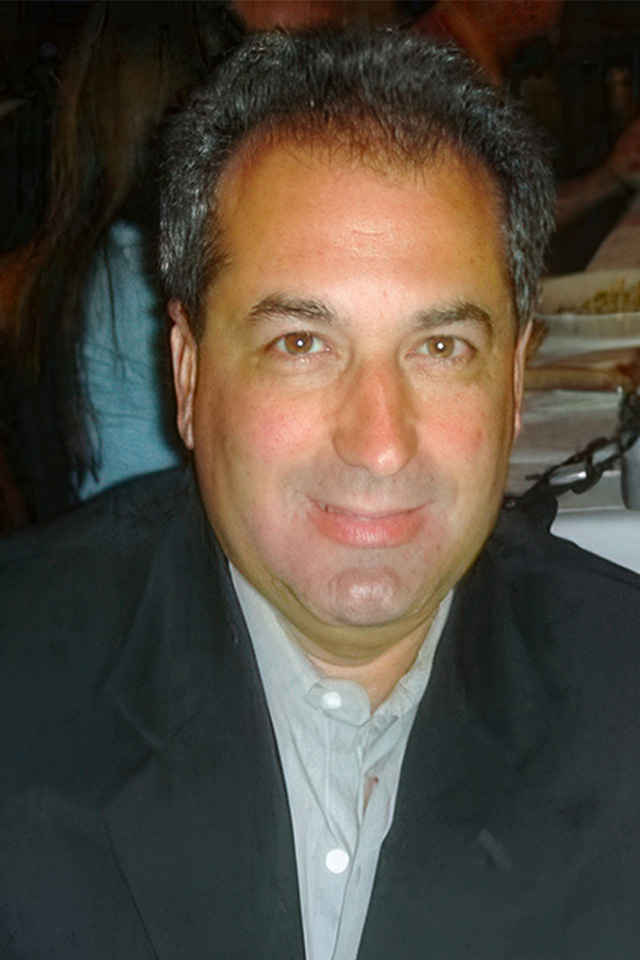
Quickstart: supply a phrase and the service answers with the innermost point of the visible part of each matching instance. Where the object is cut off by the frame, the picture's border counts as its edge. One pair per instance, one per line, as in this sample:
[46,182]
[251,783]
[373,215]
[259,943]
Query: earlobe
[519,364]
[184,357]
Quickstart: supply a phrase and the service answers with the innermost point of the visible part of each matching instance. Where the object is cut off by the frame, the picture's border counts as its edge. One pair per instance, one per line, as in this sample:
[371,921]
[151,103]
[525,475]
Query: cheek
[256,425]
[470,429]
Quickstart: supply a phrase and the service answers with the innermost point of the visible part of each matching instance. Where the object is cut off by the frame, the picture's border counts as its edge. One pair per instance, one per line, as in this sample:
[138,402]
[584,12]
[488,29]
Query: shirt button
[337,860]
[331,700]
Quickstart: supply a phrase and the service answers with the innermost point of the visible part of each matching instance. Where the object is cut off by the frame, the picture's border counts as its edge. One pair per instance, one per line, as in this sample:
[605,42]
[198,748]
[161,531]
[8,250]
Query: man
[320,707]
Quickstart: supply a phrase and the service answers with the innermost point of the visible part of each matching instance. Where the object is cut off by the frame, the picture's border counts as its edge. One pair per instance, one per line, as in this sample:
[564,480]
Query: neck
[377,675]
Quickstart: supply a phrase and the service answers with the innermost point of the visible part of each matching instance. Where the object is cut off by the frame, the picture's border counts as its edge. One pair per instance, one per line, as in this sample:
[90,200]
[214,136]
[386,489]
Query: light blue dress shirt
[341,766]
[120,362]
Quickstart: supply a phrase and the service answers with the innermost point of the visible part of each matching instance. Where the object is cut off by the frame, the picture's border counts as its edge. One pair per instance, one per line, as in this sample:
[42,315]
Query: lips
[367,529]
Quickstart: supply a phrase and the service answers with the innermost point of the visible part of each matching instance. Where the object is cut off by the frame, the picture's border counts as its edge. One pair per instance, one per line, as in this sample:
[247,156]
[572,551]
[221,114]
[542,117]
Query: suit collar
[471,807]
[187,621]
[494,693]
[199,822]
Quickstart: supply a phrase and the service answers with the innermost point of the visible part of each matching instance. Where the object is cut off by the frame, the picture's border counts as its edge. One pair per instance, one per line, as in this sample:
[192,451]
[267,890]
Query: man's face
[351,404]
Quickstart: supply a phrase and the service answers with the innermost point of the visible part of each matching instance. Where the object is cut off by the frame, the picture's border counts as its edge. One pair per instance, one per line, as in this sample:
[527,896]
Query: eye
[299,344]
[445,348]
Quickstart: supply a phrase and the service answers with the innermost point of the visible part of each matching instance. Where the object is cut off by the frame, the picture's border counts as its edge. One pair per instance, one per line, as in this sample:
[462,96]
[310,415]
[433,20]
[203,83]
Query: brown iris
[298,343]
[441,347]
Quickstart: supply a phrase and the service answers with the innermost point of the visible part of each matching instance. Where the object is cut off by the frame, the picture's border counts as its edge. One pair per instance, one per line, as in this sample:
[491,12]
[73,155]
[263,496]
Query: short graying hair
[386,94]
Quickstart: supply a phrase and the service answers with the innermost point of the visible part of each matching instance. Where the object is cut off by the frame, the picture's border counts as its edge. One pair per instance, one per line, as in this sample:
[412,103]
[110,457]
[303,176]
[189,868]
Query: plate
[571,332]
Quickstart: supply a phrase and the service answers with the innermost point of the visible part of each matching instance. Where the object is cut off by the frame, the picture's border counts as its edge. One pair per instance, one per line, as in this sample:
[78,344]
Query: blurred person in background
[81,385]
[492,33]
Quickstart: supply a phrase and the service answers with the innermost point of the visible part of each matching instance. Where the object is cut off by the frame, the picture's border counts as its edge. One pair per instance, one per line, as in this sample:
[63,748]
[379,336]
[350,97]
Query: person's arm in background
[620,173]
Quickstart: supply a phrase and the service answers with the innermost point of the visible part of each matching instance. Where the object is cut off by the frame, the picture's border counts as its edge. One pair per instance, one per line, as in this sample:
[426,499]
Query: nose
[375,424]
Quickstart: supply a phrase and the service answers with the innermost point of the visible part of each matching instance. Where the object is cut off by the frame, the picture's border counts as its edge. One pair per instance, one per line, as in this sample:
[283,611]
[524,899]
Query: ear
[184,358]
[519,362]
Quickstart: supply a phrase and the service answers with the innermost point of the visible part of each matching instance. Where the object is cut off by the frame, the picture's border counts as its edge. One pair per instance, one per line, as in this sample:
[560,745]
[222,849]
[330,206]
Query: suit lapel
[200,822]
[463,854]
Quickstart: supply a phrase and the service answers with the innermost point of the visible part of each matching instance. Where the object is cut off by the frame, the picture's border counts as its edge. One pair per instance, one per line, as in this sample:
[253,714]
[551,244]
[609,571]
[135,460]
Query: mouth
[365,528]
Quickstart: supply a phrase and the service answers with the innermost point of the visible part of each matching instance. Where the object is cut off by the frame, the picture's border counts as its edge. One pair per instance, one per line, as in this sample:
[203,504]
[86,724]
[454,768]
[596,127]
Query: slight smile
[354,529]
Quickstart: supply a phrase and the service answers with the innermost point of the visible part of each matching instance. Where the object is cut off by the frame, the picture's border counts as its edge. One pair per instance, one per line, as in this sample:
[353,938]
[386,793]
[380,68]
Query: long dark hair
[130,63]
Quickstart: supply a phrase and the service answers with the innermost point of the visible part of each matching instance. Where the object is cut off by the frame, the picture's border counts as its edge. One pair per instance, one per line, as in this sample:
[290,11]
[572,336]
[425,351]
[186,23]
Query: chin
[363,598]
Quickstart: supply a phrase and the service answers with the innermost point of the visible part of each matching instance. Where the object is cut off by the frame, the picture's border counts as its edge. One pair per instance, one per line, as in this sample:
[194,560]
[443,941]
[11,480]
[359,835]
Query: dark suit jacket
[144,813]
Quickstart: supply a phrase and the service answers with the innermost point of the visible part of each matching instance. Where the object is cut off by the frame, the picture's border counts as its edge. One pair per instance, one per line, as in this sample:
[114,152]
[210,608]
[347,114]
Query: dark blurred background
[582,83]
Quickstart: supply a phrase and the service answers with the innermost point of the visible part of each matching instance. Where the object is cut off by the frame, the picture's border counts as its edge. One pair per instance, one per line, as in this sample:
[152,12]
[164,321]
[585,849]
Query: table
[558,423]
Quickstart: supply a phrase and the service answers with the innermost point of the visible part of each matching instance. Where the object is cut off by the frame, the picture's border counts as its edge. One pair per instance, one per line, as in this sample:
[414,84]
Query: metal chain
[582,470]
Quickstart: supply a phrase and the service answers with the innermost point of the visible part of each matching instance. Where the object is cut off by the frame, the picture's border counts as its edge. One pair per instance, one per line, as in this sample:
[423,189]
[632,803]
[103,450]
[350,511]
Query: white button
[332,701]
[337,860]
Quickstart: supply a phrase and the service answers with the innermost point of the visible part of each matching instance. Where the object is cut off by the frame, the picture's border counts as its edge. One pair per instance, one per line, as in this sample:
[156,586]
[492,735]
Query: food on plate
[619,297]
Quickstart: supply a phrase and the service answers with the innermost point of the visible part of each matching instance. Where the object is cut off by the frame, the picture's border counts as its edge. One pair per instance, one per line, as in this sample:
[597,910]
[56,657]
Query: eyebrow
[277,306]
[460,311]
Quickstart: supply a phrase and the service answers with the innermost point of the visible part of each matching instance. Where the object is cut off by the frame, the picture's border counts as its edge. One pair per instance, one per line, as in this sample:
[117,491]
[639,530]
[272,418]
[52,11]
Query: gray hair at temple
[385,97]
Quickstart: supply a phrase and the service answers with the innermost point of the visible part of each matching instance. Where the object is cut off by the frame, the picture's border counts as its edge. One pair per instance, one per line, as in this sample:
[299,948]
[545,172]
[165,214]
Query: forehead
[290,211]
[273,157]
